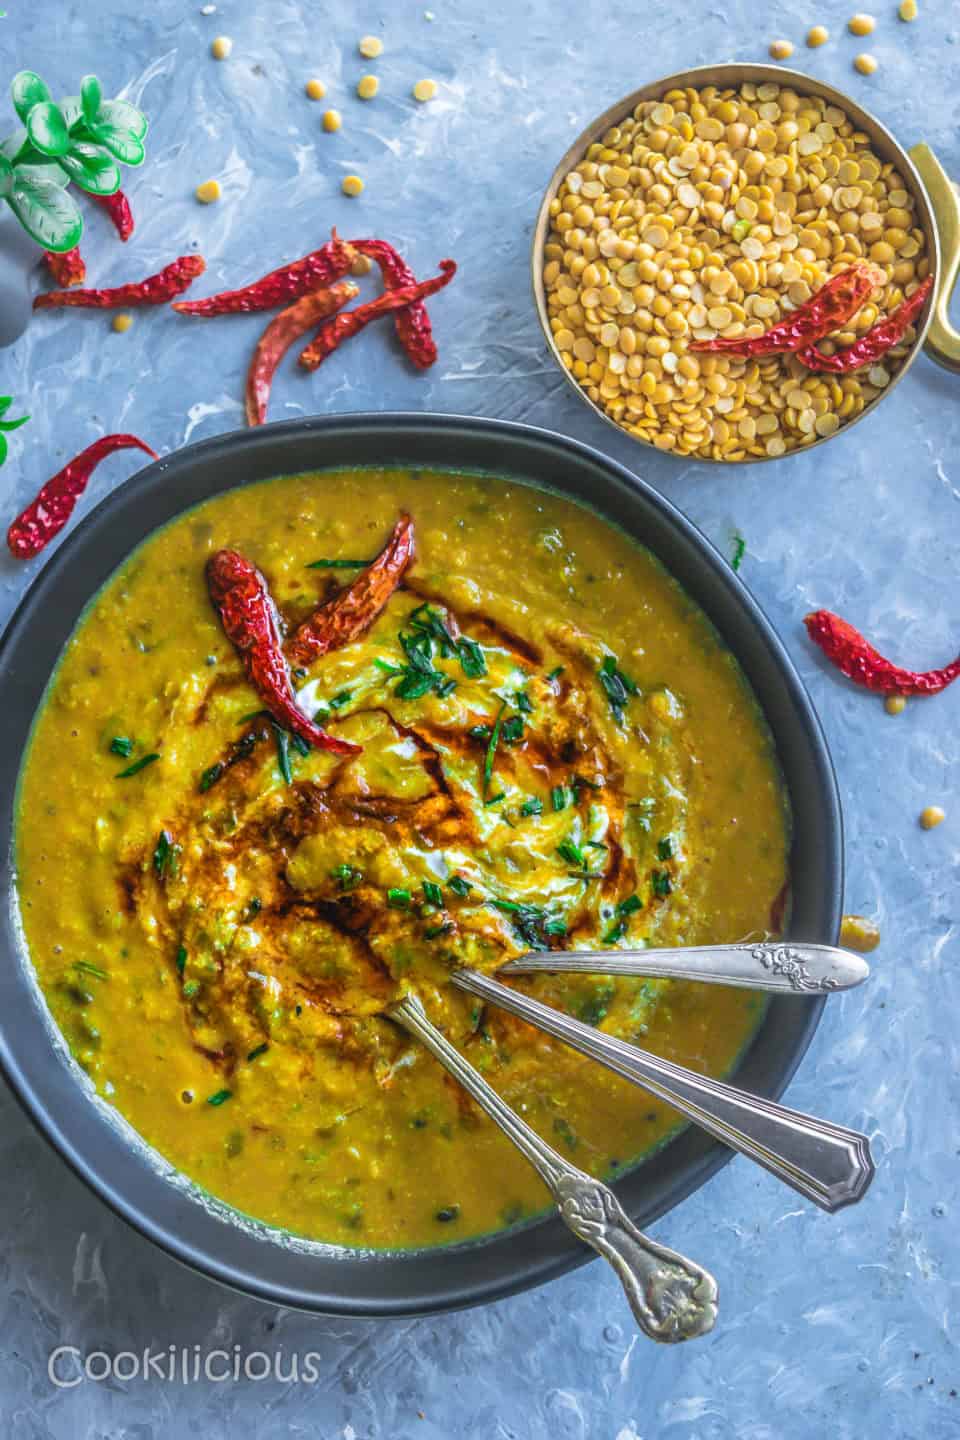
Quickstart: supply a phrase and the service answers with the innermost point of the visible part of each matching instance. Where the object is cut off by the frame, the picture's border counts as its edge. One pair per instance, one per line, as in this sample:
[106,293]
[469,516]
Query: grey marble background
[840,1327]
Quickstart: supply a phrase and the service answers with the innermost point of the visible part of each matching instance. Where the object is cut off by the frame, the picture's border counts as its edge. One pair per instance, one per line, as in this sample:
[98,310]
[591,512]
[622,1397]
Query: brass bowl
[938,213]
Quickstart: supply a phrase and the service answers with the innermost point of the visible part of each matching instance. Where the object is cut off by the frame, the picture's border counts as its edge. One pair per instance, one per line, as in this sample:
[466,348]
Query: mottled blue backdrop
[838,1327]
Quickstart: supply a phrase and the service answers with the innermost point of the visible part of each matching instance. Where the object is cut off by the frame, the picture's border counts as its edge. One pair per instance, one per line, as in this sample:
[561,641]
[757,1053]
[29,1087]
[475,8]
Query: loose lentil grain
[818,35]
[780,50]
[221,47]
[367,86]
[861,24]
[315,89]
[866,64]
[122,322]
[370,47]
[351,185]
[859,932]
[718,212]
[931,816]
[425,90]
[332,120]
[909,10]
[208,192]
[895,704]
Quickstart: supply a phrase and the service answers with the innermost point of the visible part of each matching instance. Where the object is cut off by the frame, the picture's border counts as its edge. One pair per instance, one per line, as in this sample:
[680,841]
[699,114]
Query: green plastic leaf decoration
[3,448]
[6,176]
[91,97]
[121,143]
[47,172]
[47,130]
[5,425]
[92,168]
[125,116]
[26,91]
[47,213]
[14,424]
[14,143]
[71,108]
[5,402]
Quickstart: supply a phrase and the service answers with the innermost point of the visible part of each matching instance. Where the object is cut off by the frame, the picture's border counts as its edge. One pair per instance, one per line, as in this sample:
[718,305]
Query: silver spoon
[830,1165]
[787,967]
[672,1298]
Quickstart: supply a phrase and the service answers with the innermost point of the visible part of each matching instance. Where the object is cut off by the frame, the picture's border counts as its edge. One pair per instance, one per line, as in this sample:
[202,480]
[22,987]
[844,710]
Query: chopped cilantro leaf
[533,806]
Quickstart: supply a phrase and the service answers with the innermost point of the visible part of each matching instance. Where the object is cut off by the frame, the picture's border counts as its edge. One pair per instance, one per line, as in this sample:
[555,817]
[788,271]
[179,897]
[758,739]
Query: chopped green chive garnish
[495,799]
[739,550]
[190,989]
[555,673]
[137,766]
[121,745]
[660,880]
[166,855]
[615,933]
[432,893]
[480,732]
[571,852]
[665,848]
[347,875]
[533,806]
[492,747]
[387,668]
[338,564]
[283,753]
[511,731]
[594,845]
[560,797]
[523,702]
[258,1050]
[210,776]
[301,746]
[617,686]
[88,968]
[630,905]
[471,657]
[218,1097]
[436,931]
[343,697]
[182,958]
[398,899]
[459,886]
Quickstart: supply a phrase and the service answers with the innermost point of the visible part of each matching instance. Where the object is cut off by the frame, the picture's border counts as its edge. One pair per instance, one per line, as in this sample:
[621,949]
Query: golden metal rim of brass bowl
[938,214]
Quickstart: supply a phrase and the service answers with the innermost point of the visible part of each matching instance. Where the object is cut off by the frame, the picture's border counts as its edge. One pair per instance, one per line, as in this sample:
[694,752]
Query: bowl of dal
[205,922]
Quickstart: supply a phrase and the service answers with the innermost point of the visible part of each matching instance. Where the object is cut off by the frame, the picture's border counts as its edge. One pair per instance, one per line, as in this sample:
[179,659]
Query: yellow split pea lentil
[718,212]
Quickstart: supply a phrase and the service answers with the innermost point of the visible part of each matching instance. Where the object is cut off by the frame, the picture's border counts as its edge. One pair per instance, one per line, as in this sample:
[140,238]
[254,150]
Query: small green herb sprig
[7,425]
[80,139]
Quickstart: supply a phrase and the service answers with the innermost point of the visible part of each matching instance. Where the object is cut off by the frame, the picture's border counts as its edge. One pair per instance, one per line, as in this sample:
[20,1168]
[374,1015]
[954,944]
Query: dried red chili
[117,207]
[320,268]
[877,341]
[350,322]
[154,290]
[280,334]
[860,662]
[67,268]
[249,620]
[413,327]
[46,516]
[834,304]
[353,610]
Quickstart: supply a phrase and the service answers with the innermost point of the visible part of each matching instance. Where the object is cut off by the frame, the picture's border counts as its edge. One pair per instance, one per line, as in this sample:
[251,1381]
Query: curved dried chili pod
[157,289]
[117,207]
[352,321]
[46,516]
[860,662]
[878,340]
[68,267]
[250,622]
[412,325]
[319,268]
[280,334]
[351,612]
[834,304]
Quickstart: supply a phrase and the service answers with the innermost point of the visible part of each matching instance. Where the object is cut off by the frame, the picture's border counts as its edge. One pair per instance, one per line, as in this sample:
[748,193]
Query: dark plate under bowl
[133,1180]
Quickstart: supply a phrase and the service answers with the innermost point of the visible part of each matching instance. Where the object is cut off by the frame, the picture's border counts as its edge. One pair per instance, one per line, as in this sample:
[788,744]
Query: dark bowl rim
[479,1284]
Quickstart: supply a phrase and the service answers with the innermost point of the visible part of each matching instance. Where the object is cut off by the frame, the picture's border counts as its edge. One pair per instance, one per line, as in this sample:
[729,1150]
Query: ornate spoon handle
[789,969]
[825,1162]
[672,1298]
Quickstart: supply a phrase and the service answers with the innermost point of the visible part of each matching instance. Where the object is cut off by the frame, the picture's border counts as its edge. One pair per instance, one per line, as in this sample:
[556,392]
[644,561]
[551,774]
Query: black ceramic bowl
[136,1182]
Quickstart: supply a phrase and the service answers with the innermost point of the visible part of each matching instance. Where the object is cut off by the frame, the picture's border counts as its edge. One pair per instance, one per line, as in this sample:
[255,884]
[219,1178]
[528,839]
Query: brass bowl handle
[943,341]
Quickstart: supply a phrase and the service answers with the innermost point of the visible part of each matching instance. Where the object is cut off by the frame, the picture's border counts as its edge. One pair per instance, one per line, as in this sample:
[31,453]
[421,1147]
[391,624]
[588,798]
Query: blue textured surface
[829,1326]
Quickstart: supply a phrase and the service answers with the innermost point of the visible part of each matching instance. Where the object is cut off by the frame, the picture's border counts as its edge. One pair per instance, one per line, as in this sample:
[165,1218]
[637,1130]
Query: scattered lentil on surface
[122,322]
[931,816]
[859,932]
[221,47]
[718,212]
[331,120]
[866,64]
[781,49]
[424,90]
[367,86]
[351,185]
[208,192]
[315,89]
[818,35]
[370,47]
[895,704]
[909,10]
[861,24]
